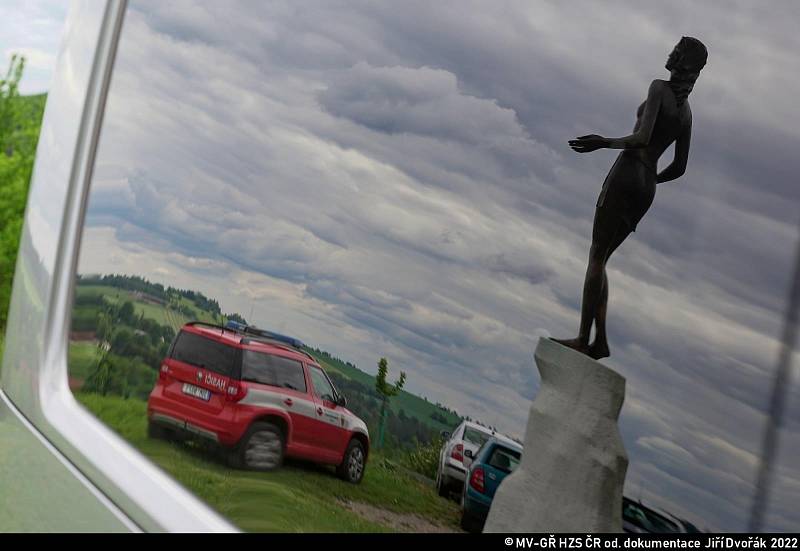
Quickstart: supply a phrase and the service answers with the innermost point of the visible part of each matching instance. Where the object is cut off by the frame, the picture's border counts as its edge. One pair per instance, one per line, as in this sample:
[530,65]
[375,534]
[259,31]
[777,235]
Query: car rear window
[268,369]
[475,436]
[201,352]
[504,459]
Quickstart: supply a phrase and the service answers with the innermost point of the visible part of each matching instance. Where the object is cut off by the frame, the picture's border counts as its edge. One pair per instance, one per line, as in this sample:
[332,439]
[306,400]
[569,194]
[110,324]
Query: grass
[298,497]
[83,358]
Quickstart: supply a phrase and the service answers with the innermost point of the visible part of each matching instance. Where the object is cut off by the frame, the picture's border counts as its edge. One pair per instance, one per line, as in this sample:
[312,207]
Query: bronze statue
[630,186]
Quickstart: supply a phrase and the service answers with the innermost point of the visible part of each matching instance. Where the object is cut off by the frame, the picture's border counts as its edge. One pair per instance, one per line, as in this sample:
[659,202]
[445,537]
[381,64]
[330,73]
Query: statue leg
[608,232]
[592,293]
[599,348]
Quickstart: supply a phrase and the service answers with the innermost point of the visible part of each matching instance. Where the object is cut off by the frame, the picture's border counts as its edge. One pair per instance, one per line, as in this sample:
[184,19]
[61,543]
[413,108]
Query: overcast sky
[393,179]
[33,29]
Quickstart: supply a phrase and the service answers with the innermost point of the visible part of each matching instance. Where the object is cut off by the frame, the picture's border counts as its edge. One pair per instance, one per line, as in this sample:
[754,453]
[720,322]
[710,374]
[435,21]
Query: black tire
[354,463]
[471,524]
[159,432]
[441,486]
[260,449]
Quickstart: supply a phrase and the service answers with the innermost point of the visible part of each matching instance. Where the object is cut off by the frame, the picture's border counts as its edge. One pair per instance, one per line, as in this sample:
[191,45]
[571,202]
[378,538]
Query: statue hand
[590,142]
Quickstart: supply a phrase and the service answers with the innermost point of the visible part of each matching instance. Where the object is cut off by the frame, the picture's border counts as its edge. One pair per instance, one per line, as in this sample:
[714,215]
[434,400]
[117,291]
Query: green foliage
[386,391]
[121,376]
[424,459]
[20,120]
[126,313]
[382,386]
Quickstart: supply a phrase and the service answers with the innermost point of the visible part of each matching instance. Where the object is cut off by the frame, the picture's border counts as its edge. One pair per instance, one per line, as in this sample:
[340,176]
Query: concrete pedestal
[573,467]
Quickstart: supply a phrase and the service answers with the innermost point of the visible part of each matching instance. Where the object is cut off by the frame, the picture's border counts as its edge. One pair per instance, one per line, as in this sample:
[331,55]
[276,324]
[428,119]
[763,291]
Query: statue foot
[575,344]
[599,350]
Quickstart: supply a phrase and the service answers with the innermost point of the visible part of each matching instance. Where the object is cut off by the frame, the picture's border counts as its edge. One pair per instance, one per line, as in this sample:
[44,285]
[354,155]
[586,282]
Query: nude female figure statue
[630,186]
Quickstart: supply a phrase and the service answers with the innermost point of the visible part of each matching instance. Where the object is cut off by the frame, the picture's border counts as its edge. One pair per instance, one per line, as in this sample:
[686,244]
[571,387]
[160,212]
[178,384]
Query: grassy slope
[83,358]
[297,497]
[413,405]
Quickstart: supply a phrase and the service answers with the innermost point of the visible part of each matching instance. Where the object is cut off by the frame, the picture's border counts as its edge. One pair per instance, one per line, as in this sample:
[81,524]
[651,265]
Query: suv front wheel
[352,466]
[261,448]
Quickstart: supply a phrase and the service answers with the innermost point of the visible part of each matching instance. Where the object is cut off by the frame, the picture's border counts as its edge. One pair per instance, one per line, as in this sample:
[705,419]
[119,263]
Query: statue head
[686,61]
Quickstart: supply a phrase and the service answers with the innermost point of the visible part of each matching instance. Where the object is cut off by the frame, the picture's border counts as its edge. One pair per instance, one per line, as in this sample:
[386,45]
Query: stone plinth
[573,466]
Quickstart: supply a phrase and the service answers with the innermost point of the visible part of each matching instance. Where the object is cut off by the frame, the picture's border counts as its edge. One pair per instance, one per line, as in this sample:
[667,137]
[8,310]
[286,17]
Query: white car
[457,453]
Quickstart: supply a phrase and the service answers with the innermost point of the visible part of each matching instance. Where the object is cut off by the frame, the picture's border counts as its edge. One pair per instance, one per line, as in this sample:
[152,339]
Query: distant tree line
[168,295]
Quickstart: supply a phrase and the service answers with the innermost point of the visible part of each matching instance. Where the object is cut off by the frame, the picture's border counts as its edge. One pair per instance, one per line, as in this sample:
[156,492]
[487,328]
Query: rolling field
[159,314]
[299,497]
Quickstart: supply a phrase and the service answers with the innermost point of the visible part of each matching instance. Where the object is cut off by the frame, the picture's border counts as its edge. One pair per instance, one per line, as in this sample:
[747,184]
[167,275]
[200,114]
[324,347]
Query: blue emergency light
[255,331]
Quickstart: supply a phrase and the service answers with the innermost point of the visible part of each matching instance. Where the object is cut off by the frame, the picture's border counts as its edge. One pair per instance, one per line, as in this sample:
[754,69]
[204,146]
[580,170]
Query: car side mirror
[341,401]
[445,434]
[468,453]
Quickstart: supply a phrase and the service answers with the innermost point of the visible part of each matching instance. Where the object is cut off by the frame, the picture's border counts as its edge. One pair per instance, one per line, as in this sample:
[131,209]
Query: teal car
[494,461]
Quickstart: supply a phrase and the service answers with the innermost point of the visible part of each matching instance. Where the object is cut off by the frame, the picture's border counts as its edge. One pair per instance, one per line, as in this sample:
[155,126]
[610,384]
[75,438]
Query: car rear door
[280,383]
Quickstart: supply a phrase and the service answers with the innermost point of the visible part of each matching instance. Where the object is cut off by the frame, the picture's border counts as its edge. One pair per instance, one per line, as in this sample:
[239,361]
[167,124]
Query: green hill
[431,414]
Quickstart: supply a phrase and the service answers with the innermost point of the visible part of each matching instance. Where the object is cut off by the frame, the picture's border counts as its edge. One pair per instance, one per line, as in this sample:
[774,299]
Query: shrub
[424,459]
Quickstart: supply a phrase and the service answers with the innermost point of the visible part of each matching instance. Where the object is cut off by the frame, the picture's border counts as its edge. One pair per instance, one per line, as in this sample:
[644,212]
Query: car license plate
[197,392]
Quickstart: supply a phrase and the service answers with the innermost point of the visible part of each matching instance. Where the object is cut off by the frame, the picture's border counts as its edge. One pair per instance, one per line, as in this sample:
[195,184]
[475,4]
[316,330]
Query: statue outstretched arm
[640,137]
[678,165]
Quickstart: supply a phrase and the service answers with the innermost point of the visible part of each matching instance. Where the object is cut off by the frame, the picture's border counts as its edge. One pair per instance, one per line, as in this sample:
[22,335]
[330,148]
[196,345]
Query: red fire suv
[258,395]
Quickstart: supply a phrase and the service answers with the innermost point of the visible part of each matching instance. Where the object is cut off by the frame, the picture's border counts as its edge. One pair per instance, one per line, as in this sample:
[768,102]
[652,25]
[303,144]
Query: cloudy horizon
[394,180]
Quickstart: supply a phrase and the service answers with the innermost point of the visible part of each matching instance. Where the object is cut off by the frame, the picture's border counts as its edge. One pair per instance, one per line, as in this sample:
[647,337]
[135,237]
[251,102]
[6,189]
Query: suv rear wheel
[352,467]
[160,432]
[261,448]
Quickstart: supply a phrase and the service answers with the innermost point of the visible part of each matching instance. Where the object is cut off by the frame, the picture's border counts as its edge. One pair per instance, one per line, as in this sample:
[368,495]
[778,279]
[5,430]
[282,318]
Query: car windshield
[205,353]
[504,459]
[475,436]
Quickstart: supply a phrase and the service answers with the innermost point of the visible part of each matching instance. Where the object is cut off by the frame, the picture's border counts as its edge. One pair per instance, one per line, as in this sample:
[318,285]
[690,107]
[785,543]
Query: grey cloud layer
[399,173]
